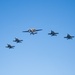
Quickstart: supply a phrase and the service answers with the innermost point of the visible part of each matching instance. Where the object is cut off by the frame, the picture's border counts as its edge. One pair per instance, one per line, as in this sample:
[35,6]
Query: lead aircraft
[33,31]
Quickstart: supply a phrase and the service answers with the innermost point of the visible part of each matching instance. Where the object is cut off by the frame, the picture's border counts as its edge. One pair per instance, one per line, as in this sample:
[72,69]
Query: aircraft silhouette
[17,40]
[33,31]
[53,33]
[9,46]
[69,36]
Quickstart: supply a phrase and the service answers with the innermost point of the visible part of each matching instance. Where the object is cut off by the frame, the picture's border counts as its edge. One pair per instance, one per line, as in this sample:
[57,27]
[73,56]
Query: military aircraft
[53,33]
[17,40]
[33,31]
[9,46]
[69,36]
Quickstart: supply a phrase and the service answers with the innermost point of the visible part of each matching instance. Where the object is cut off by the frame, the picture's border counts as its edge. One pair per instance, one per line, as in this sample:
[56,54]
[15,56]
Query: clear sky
[38,54]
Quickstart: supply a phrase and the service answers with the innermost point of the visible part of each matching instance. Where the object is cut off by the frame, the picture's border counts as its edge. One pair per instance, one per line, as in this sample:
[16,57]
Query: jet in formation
[17,40]
[69,36]
[9,46]
[33,31]
[52,33]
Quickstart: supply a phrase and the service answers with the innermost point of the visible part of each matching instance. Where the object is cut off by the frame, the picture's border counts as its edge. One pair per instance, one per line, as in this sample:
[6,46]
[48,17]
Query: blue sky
[38,54]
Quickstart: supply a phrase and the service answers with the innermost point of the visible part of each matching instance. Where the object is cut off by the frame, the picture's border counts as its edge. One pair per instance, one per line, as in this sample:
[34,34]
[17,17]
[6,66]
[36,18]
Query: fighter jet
[17,40]
[33,31]
[9,46]
[69,36]
[53,33]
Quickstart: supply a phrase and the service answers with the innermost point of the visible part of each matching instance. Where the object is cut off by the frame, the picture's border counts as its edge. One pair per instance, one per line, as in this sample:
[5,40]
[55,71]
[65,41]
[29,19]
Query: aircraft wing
[8,44]
[65,37]
[38,29]
[13,46]
[25,31]
[57,33]
[73,36]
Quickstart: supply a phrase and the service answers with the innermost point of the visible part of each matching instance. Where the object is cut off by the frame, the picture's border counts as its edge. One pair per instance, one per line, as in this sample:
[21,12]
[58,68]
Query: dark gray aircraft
[69,36]
[33,31]
[53,33]
[17,40]
[9,46]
